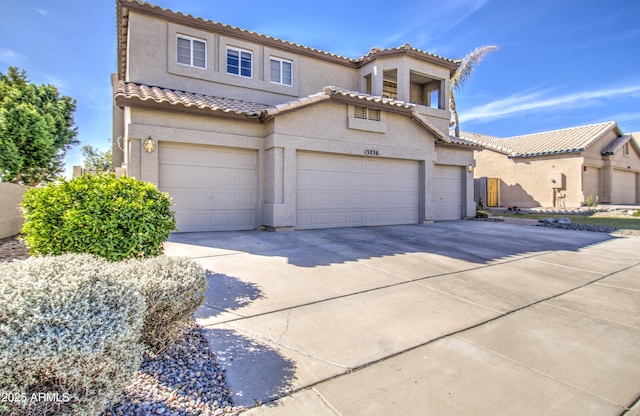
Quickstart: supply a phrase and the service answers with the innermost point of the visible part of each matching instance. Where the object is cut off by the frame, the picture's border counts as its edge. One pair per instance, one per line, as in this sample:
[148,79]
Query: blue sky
[560,63]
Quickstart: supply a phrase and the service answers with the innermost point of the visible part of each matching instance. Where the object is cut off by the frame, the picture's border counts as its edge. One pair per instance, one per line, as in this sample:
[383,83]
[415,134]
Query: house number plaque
[371,152]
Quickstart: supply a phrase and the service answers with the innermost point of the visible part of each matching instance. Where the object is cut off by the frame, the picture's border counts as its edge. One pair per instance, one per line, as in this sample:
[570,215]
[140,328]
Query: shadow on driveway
[266,374]
[472,241]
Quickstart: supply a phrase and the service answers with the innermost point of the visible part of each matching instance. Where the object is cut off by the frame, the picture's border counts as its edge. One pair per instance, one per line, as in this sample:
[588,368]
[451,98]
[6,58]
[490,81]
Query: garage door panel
[624,187]
[245,199]
[191,220]
[370,182]
[245,160]
[244,180]
[355,182]
[356,200]
[305,199]
[213,188]
[354,191]
[339,200]
[370,199]
[447,192]
[340,182]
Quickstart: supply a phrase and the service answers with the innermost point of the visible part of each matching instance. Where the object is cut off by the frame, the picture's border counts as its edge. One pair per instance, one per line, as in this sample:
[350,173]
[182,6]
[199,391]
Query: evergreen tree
[37,129]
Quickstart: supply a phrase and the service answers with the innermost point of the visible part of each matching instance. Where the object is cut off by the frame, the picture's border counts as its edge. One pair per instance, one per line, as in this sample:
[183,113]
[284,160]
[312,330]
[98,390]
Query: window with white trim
[239,62]
[366,113]
[191,51]
[281,71]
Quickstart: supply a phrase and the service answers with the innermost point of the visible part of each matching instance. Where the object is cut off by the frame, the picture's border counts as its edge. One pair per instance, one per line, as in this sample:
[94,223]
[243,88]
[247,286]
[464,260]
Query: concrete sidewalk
[448,318]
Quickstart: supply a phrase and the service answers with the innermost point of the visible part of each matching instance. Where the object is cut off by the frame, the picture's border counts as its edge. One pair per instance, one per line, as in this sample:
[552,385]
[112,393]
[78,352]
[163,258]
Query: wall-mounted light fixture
[470,168]
[149,145]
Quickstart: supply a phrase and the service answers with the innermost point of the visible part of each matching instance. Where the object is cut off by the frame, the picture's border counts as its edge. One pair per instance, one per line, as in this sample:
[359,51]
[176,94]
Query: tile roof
[372,99]
[489,142]
[408,49]
[617,143]
[570,140]
[128,93]
[144,93]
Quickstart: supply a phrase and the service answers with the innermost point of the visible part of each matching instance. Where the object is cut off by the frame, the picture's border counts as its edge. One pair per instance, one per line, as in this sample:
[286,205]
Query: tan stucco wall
[527,182]
[11,219]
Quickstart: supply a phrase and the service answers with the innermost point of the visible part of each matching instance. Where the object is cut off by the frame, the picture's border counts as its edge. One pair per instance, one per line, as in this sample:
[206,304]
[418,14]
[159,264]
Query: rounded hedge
[173,288]
[115,218]
[69,334]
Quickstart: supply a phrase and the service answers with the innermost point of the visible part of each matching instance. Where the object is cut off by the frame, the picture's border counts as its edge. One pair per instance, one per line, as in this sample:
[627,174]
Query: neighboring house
[563,168]
[247,131]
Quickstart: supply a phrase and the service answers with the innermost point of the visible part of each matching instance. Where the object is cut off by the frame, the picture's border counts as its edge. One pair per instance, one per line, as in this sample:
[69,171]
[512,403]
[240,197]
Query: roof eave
[550,153]
[123,101]
[452,65]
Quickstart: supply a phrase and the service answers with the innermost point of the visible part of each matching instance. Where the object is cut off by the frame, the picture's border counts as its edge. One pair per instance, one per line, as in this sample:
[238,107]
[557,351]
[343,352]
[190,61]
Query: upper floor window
[281,71]
[390,84]
[239,62]
[192,52]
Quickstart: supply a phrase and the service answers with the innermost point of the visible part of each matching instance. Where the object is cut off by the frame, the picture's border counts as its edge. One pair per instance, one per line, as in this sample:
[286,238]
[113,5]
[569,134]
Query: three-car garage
[216,188]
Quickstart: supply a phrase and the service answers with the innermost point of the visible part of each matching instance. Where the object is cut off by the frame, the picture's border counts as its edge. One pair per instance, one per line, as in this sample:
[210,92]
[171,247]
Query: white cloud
[57,82]
[433,20]
[41,12]
[100,98]
[541,101]
[8,56]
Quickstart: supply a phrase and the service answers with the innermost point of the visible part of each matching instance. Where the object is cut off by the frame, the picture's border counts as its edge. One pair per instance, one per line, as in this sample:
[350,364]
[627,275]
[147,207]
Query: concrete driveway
[451,318]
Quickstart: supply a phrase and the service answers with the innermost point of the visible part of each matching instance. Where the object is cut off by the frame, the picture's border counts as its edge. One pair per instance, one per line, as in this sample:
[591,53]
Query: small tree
[36,129]
[95,159]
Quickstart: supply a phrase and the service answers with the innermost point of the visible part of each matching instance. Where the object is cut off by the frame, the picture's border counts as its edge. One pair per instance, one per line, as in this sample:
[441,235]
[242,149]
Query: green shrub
[482,214]
[174,288]
[115,218]
[636,214]
[69,334]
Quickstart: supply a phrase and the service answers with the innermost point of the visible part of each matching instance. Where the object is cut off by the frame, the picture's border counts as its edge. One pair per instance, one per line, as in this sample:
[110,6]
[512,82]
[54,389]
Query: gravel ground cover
[184,379]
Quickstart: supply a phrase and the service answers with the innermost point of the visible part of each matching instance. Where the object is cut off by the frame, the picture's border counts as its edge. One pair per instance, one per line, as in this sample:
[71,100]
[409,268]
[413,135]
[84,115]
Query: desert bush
[115,218]
[173,288]
[69,334]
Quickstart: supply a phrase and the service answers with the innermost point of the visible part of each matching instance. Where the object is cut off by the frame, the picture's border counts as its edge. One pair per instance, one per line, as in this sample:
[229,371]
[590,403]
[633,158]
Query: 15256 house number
[371,152]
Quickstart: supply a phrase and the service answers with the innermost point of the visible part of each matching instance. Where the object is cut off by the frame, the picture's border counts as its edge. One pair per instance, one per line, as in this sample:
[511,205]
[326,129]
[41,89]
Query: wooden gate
[492,191]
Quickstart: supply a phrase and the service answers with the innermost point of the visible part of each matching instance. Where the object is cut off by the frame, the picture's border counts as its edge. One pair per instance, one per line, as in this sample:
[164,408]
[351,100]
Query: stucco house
[563,168]
[246,131]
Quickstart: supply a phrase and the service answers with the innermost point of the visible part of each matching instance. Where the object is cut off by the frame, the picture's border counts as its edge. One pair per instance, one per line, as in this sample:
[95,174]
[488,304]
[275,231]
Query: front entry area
[334,190]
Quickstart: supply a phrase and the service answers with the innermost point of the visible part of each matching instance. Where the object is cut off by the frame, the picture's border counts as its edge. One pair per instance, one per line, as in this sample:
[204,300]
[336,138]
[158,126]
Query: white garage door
[624,187]
[350,191]
[213,188]
[447,192]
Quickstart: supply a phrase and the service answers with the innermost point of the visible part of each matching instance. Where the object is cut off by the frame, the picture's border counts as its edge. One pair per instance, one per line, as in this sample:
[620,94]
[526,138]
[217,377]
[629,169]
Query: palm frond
[468,64]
